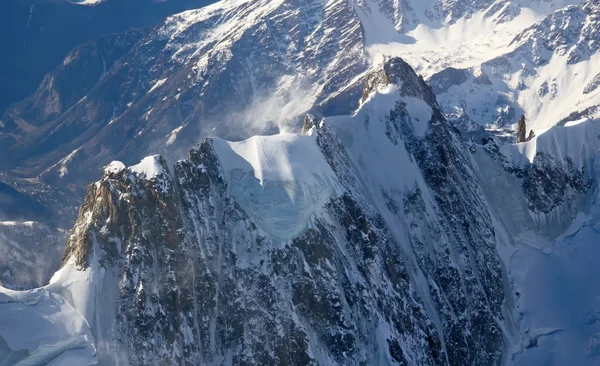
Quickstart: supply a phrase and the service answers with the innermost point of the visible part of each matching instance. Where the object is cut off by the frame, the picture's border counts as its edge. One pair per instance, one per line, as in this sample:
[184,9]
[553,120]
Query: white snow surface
[559,300]
[280,180]
[43,327]
[551,259]
[432,45]
[578,140]
[364,135]
[546,73]
[149,168]
[484,44]
[87,2]
[114,168]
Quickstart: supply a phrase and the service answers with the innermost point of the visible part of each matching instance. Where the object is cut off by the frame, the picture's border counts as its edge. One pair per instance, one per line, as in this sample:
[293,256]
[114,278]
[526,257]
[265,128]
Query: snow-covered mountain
[385,231]
[234,69]
[549,73]
[288,249]
[380,237]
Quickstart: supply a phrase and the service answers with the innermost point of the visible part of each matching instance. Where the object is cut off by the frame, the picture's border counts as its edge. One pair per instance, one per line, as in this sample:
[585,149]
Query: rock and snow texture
[577,140]
[543,195]
[239,68]
[548,72]
[189,267]
[377,236]
[30,253]
[232,69]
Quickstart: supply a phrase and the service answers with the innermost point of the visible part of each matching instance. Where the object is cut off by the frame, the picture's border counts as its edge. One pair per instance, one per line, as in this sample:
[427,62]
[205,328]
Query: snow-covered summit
[377,236]
[233,68]
[149,168]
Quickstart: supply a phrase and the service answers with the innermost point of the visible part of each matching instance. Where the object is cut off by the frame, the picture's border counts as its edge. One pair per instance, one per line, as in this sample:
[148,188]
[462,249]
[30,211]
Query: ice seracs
[41,327]
[280,180]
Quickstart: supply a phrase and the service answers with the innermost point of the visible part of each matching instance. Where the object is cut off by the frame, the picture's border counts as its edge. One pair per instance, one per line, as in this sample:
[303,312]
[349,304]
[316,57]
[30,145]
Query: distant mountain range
[38,34]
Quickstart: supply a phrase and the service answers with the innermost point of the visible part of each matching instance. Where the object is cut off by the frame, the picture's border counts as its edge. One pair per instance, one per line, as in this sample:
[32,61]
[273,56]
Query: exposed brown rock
[521,130]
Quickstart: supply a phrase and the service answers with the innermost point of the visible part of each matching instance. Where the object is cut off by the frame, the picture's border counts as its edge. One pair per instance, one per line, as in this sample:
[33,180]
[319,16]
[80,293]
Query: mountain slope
[38,34]
[174,84]
[31,253]
[379,235]
[247,254]
[398,243]
[549,75]
[171,88]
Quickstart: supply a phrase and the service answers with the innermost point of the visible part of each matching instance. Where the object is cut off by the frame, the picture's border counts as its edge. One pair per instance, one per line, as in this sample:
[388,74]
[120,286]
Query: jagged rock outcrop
[309,123]
[550,183]
[521,130]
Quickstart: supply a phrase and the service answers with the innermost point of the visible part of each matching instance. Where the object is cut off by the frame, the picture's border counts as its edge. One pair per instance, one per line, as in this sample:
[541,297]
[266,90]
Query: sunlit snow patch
[280,180]
[149,167]
[115,167]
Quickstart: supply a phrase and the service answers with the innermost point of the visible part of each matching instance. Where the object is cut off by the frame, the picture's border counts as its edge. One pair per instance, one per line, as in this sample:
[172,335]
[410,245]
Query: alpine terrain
[308,182]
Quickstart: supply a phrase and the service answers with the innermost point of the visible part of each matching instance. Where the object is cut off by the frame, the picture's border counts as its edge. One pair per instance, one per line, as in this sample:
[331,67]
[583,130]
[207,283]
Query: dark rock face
[592,85]
[550,183]
[184,286]
[521,130]
[468,230]
[443,80]
[575,36]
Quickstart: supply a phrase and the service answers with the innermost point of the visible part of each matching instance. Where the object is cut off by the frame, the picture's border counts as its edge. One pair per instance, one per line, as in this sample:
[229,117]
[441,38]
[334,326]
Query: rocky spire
[396,71]
[309,122]
[522,130]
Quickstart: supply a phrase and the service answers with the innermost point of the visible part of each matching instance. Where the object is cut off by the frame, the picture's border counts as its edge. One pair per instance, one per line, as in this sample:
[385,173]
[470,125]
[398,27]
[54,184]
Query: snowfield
[577,140]
[40,327]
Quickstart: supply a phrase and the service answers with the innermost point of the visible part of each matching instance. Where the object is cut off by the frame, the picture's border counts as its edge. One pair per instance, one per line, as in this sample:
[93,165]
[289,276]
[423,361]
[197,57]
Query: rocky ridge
[192,271]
